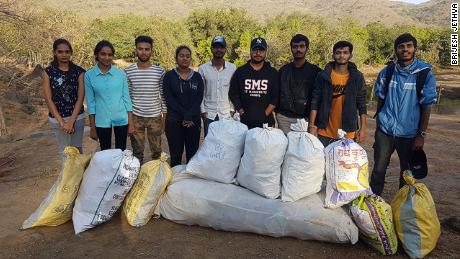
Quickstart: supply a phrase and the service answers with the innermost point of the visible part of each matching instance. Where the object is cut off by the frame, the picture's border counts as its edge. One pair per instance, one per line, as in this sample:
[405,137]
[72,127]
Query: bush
[373,43]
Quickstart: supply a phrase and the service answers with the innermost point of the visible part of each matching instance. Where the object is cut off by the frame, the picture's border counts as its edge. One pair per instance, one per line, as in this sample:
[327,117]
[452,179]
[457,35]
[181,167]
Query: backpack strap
[388,75]
[420,82]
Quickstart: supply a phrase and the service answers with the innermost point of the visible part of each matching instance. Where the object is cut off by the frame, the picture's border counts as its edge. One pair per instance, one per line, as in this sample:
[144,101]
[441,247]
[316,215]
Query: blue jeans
[206,123]
[384,146]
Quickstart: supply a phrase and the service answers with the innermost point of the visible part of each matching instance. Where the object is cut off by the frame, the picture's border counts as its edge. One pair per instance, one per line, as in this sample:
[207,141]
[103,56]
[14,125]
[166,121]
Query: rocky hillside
[432,13]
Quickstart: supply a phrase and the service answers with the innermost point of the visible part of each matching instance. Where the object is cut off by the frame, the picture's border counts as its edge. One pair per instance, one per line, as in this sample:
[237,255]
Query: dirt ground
[29,164]
[35,164]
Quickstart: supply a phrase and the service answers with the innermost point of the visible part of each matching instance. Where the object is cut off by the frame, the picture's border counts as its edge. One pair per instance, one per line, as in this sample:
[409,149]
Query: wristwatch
[422,133]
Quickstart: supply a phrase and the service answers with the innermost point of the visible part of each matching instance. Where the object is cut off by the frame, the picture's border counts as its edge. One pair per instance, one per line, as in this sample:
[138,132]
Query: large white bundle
[303,167]
[194,201]
[347,172]
[219,155]
[260,167]
[106,182]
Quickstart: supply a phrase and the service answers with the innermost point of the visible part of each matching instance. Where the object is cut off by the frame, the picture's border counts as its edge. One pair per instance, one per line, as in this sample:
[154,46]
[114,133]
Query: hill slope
[432,13]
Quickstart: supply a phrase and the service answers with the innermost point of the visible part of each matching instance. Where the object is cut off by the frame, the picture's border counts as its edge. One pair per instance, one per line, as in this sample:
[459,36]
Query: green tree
[380,43]
[349,30]
[281,28]
[230,23]
[166,34]
[373,42]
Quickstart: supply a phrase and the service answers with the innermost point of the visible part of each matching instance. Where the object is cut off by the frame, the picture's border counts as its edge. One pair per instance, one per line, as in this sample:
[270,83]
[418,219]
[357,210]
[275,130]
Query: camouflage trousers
[154,128]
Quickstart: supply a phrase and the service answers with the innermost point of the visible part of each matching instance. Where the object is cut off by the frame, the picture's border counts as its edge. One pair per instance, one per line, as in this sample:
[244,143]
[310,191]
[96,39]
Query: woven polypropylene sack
[415,218]
[303,167]
[347,173]
[260,167]
[193,201]
[150,185]
[106,182]
[219,155]
[374,218]
[56,208]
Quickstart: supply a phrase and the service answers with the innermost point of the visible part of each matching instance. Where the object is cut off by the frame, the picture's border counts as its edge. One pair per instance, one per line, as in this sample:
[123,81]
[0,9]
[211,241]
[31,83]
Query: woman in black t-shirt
[64,91]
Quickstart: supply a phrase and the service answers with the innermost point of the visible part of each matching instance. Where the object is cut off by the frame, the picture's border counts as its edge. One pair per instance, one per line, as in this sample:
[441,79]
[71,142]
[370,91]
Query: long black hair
[56,43]
[100,45]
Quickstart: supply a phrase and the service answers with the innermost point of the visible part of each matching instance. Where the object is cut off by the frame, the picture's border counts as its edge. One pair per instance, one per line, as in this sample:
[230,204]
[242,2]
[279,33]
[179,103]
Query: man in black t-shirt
[254,88]
[297,79]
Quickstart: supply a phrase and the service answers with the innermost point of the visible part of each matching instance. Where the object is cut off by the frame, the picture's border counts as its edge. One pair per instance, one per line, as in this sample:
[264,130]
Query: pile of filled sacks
[90,190]
[242,180]
[263,182]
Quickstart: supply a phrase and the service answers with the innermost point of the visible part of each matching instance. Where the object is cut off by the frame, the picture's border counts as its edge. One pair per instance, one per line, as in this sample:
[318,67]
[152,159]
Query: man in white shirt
[216,77]
[145,82]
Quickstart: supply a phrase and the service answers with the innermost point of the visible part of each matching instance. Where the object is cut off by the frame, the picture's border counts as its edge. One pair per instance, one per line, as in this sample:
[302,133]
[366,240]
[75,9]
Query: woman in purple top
[64,91]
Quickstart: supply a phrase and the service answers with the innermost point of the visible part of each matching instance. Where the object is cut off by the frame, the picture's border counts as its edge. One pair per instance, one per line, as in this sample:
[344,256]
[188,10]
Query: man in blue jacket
[405,90]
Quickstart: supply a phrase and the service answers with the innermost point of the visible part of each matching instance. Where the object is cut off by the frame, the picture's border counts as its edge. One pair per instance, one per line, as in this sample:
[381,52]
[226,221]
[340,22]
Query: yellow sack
[415,218]
[56,209]
[150,185]
[374,219]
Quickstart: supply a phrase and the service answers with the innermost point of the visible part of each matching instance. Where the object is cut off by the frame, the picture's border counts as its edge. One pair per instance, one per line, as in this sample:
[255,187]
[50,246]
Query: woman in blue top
[183,91]
[107,97]
[64,93]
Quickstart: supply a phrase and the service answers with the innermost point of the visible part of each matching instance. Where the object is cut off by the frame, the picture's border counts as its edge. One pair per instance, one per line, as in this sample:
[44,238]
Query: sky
[412,1]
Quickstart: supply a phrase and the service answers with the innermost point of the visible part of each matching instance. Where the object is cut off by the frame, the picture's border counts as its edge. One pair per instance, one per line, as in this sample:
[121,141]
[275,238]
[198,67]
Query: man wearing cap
[254,88]
[297,80]
[406,90]
[216,77]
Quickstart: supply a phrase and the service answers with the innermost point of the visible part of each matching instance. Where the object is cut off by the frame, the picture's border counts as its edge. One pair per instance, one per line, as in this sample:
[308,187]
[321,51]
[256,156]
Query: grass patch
[447,101]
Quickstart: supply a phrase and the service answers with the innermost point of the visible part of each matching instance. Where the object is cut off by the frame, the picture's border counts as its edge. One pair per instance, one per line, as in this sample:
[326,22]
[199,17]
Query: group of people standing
[144,99]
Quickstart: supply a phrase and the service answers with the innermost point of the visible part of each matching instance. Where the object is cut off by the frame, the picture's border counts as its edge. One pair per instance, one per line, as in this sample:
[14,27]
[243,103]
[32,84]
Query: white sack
[347,172]
[193,201]
[106,182]
[260,167]
[303,167]
[218,157]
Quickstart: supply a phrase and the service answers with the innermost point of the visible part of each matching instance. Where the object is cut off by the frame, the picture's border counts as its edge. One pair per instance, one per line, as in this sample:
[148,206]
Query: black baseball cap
[219,40]
[418,164]
[259,43]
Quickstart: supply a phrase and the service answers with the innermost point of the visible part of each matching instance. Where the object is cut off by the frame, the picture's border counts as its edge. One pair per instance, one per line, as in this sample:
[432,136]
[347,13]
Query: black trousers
[206,123]
[270,120]
[326,141]
[105,137]
[178,136]
[384,146]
